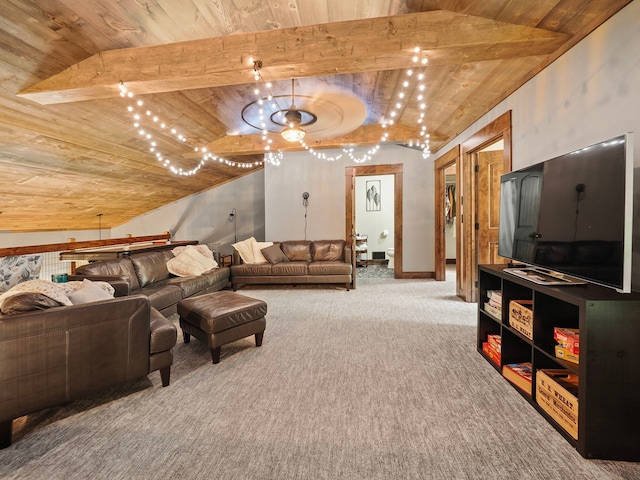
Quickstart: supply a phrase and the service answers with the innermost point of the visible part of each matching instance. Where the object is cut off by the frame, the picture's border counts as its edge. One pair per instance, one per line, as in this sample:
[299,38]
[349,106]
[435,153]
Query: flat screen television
[569,219]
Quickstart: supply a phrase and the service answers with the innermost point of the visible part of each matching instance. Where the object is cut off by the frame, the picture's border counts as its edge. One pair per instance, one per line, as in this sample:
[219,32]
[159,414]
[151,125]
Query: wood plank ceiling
[68,150]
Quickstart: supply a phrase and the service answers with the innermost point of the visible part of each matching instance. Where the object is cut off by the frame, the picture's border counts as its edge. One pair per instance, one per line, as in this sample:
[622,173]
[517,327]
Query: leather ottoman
[220,318]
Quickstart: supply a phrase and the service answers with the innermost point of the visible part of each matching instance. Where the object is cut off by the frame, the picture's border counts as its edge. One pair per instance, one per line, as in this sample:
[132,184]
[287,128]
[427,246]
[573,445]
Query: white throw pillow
[245,249]
[258,257]
[190,263]
[89,292]
[203,249]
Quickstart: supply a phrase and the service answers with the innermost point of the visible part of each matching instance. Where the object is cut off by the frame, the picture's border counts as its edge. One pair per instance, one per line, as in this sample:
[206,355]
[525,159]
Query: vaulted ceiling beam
[237,145]
[383,43]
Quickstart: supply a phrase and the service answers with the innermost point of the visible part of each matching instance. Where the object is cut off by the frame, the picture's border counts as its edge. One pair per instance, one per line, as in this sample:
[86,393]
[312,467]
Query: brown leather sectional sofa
[304,262]
[146,273]
[54,355]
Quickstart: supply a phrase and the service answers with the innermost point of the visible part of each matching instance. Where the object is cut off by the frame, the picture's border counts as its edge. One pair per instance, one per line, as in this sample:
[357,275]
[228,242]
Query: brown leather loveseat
[297,262]
[52,356]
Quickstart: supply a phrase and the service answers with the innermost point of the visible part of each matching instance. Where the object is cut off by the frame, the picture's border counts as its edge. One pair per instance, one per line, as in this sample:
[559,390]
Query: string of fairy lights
[151,126]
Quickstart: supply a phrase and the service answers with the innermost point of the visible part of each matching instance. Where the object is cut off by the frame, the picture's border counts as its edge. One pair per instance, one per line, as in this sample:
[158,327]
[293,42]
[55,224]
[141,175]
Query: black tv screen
[573,214]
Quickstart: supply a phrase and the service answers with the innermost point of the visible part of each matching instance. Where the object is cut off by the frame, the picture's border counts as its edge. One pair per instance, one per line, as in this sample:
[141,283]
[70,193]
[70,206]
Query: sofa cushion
[121,267]
[216,275]
[290,268]
[163,296]
[150,267]
[251,269]
[329,268]
[274,254]
[189,285]
[297,250]
[327,250]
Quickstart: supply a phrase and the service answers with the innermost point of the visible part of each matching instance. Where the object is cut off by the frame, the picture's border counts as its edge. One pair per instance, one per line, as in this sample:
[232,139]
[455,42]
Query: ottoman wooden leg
[215,354]
[259,336]
[186,337]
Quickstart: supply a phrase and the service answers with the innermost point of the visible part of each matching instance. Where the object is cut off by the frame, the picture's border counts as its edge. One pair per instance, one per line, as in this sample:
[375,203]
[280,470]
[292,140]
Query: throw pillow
[274,254]
[203,249]
[17,269]
[44,287]
[88,292]
[257,251]
[26,302]
[190,263]
[245,249]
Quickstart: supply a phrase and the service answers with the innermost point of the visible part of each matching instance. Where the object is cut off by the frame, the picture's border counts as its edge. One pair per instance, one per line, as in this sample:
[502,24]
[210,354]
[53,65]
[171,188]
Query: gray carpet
[382,382]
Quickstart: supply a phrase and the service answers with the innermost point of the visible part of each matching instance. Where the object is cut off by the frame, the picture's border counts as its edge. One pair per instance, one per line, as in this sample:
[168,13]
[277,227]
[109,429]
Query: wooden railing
[59,247]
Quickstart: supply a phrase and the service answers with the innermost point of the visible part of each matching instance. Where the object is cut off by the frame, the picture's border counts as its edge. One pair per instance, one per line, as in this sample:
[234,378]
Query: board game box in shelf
[567,355]
[556,391]
[521,317]
[568,338]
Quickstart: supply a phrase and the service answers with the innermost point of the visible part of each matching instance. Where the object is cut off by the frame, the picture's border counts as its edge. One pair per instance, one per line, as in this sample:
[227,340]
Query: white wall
[205,216]
[588,95]
[325,181]
[374,223]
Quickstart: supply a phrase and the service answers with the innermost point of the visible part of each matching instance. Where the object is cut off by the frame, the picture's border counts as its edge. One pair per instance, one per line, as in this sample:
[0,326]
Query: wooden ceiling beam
[383,43]
[240,145]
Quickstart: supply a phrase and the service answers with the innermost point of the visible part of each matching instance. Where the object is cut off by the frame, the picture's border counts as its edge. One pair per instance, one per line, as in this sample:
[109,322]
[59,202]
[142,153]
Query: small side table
[225,259]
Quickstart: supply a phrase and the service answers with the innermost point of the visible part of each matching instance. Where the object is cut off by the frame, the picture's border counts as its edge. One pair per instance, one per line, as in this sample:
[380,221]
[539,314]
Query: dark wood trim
[467,267]
[416,275]
[439,166]
[367,170]
[59,247]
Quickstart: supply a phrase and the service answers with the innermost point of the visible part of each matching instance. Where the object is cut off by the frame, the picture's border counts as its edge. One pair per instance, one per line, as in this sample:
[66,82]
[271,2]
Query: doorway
[350,208]
[479,187]
[478,174]
[375,220]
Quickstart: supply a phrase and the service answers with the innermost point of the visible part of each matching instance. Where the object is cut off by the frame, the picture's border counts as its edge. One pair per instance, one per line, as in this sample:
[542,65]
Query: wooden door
[490,166]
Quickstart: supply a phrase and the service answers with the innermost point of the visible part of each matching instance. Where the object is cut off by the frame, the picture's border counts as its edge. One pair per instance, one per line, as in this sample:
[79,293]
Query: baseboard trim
[416,275]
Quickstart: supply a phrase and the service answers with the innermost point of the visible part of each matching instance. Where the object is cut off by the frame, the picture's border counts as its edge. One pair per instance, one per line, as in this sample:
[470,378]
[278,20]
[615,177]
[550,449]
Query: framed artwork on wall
[373,196]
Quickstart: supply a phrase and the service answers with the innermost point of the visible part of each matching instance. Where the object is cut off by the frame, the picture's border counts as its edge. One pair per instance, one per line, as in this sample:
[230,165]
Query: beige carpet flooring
[382,382]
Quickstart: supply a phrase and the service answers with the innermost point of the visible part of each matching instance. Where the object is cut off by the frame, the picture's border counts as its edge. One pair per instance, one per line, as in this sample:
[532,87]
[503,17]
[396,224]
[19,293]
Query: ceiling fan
[293,131]
[325,113]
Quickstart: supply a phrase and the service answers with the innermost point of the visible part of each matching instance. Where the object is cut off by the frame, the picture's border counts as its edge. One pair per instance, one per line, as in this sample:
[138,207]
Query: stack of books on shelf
[493,305]
[492,348]
[520,374]
[568,343]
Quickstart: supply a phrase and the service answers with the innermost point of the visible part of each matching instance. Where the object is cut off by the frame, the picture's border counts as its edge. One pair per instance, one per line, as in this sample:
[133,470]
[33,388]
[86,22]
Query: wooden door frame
[368,170]
[500,128]
[439,167]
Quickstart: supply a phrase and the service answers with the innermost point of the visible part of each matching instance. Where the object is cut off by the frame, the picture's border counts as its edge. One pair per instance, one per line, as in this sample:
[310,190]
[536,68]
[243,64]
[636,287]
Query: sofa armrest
[119,283]
[347,254]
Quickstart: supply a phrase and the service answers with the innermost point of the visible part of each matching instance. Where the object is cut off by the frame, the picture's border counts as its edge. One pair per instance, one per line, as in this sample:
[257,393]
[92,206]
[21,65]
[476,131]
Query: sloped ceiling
[68,149]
